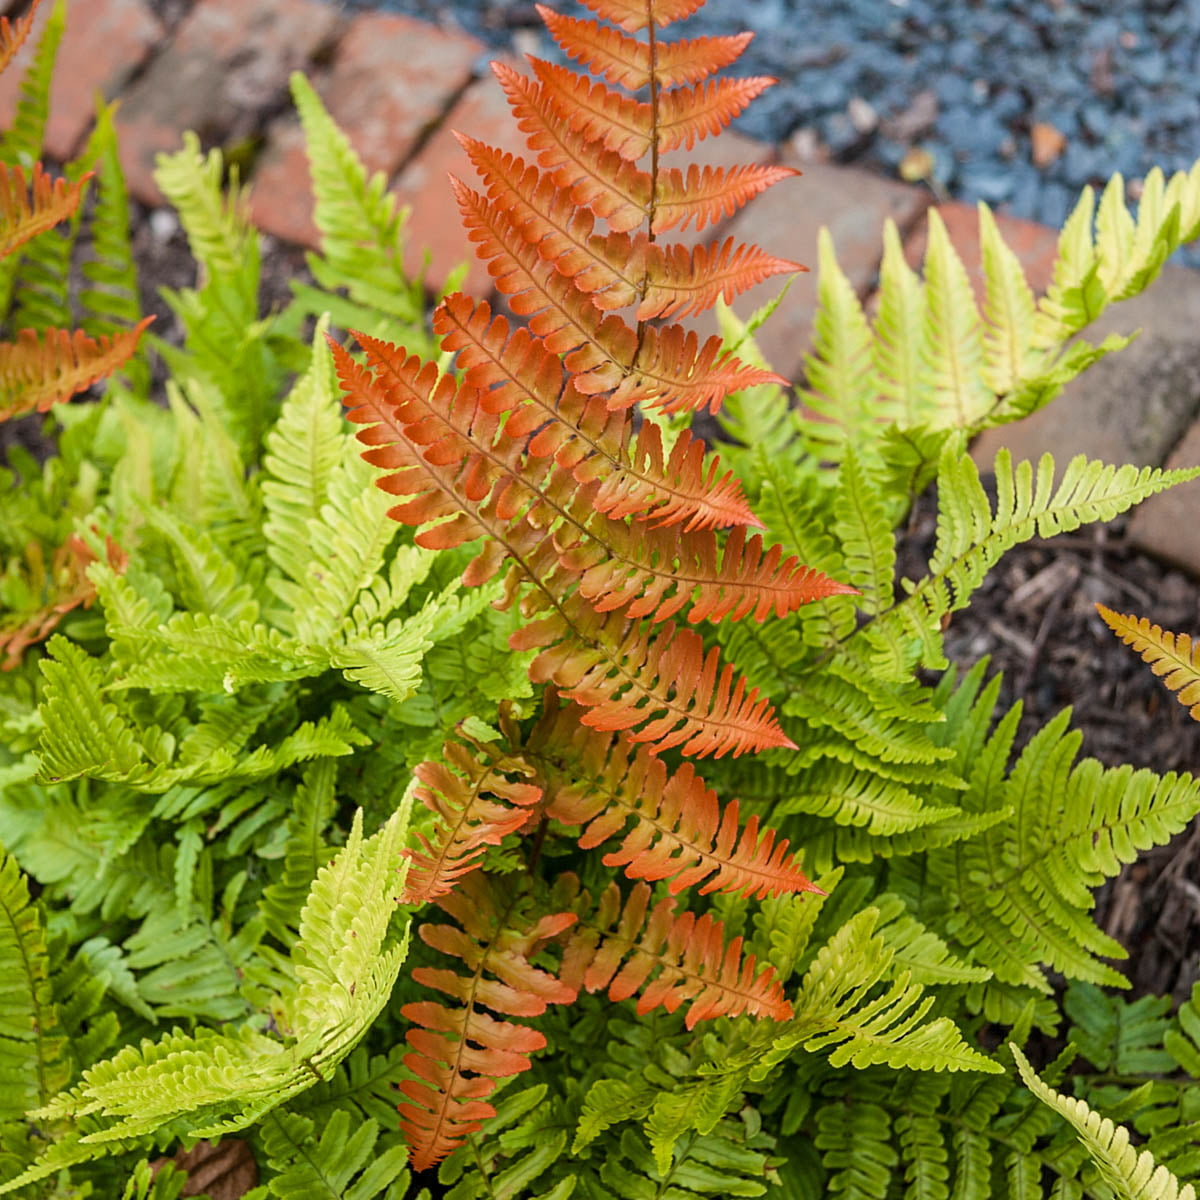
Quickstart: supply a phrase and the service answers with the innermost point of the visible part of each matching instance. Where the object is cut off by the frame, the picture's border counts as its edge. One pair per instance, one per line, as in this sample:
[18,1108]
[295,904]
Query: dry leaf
[917,164]
[1048,143]
[225,1171]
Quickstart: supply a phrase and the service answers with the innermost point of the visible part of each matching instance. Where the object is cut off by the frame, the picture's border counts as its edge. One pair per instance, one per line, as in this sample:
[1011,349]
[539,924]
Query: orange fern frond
[626,61]
[459,1050]
[623,949]
[27,209]
[596,178]
[12,37]
[635,15]
[706,195]
[52,593]
[680,833]
[685,280]
[1174,657]
[38,370]
[715,582]
[672,370]
[476,804]
[516,371]
[625,126]
[660,687]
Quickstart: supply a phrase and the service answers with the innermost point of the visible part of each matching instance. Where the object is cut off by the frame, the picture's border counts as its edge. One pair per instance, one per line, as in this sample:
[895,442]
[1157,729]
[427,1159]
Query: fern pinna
[606,536]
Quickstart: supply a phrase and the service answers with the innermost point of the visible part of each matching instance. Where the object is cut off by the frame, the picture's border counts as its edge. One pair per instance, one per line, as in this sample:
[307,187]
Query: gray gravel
[965,80]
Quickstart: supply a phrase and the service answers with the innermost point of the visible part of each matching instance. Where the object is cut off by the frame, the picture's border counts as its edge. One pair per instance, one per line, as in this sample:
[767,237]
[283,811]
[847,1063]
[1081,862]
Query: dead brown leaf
[224,1171]
[1048,143]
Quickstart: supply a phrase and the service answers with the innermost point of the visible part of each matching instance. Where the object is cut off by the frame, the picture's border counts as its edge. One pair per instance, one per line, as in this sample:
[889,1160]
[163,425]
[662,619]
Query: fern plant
[523,642]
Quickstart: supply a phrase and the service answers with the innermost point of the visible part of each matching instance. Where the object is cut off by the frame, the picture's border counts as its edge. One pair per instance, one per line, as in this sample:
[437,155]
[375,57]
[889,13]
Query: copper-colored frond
[1172,656]
[669,959]
[596,178]
[707,195]
[636,479]
[689,114]
[658,683]
[477,800]
[627,61]
[657,572]
[679,834]
[677,373]
[684,281]
[12,37]
[49,593]
[42,369]
[596,112]
[27,209]
[458,1049]
[635,15]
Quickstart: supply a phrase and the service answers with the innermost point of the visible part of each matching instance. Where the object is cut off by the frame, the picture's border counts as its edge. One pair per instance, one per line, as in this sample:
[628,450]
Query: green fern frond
[21,143]
[337,1164]
[209,1083]
[1130,1175]
[32,1046]
[972,538]
[1009,310]
[868,543]
[900,367]
[362,247]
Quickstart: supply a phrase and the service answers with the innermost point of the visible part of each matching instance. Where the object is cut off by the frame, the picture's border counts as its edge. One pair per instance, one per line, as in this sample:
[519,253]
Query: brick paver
[392,79]
[1167,525]
[105,42]
[786,220]
[228,64]
[1036,246]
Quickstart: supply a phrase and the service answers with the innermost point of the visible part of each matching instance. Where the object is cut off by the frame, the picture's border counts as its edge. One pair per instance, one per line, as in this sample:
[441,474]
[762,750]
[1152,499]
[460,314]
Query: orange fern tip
[39,370]
[1173,657]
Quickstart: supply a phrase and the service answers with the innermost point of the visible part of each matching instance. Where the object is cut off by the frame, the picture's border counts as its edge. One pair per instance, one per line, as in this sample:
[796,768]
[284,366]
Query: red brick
[483,113]
[104,43]
[786,220]
[1168,525]
[392,78]
[1132,406]
[228,63]
[1036,246]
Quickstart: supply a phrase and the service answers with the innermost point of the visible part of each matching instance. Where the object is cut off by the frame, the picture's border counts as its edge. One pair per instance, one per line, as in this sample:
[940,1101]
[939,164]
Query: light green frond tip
[1131,1175]
[208,1084]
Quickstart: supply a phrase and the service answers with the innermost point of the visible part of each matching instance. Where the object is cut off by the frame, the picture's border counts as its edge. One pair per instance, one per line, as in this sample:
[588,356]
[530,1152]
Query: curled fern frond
[1171,656]
[30,208]
[12,37]
[40,370]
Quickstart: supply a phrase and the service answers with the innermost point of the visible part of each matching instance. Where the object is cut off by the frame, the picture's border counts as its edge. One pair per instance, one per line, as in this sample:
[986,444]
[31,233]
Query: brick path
[399,87]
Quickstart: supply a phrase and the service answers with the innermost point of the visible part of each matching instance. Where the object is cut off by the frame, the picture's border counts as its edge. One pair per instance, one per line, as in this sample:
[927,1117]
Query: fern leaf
[634,16]
[361,231]
[708,195]
[21,144]
[32,1045]
[900,369]
[342,1163]
[458,1052]
[475,804]
[27,209]
[625,949]
[514,371]
[954,343]
[211,1083]
[1131,1175]
[40,370]
[12,37]
[1171,656]
[679,834]
[626,61]
[1009,308]
[865,532]
[686,114]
